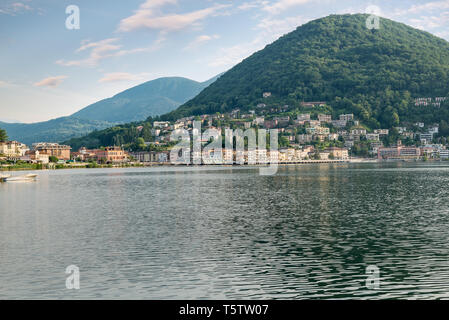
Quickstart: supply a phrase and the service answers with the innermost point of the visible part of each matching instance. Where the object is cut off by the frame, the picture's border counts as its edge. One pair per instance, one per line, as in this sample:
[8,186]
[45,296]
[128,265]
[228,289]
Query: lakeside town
[304,137]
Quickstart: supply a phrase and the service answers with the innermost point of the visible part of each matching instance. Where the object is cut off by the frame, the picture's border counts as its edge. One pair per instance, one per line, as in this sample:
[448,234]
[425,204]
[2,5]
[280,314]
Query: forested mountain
[53,130]
[374,74]
[151,98]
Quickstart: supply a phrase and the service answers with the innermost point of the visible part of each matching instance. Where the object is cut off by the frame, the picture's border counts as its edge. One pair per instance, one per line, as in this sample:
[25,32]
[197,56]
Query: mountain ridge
[339,60]
[150,98]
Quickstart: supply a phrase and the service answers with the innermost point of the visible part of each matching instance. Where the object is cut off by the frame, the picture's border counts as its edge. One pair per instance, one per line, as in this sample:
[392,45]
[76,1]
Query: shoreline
[158,164]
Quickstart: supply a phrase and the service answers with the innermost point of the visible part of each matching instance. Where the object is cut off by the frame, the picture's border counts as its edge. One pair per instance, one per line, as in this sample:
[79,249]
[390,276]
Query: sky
[52,67]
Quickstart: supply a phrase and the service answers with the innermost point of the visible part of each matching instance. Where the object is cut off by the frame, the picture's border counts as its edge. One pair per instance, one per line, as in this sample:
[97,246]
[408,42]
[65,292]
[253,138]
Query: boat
[3,177]
[26,177]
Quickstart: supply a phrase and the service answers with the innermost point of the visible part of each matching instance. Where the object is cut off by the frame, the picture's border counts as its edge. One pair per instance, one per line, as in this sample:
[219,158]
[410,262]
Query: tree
[3,135]
[53,159]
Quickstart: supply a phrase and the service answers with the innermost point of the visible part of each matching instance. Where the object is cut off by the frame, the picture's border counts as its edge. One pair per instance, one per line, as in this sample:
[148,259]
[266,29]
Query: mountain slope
[373,73]
[53,130]
[148,99]
[151,98]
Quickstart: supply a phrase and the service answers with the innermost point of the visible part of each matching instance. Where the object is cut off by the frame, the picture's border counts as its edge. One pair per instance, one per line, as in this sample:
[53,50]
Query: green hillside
[374,74]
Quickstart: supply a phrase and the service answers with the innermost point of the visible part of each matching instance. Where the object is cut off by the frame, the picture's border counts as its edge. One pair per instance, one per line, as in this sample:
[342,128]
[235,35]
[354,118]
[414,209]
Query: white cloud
[283,5]
[200,40]
[123,76]
[50,81]
[15,8]
[105,49]
[4,84]
[146,17]
[430,22]
[269,30]
[429,6]
[253,4]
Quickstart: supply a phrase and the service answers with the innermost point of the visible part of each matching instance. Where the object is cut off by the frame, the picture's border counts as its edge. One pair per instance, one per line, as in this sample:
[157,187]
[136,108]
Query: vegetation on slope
[375,74]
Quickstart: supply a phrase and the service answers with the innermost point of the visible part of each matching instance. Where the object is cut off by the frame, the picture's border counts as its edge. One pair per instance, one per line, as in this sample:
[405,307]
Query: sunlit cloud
[283,5]
[269,29]
[253,4]
[201,40]
[148,18]
[50,81]
[15,8]
[106,48]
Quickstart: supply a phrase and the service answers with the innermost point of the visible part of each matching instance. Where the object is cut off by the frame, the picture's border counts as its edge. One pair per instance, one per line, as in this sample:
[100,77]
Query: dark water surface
[219,232]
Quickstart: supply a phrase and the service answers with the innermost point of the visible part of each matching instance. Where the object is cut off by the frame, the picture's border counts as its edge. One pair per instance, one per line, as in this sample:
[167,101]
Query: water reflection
[308,232]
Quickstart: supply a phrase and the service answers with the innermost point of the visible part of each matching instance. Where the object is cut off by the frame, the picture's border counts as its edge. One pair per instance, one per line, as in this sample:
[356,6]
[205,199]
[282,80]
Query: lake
[308,232]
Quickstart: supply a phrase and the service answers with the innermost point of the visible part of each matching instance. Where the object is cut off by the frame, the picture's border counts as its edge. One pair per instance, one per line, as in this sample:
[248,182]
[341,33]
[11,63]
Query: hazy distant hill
[52,131]
[151,98]
[374,74]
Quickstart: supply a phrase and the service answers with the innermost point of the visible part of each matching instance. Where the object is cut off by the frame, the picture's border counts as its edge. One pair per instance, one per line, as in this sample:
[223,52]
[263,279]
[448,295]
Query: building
[347,117]
[318,130]
[382,132]
[360,132]
[13,149]
[433,129]
[145,156]
[338,153]
[313,104]
[259,121]
[161,124]
[35,156]
[339,123]
[111,155]
[372,136]
[444,154]
[426,137]
[401,130]
[304,138]
[266,94]
[282,121]
[303,117]
[409,135]
[270,124]
[325,118]
[399,152]
[61,152]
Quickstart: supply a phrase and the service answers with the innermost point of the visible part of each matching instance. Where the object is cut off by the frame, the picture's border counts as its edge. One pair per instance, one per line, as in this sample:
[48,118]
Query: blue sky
[48,71]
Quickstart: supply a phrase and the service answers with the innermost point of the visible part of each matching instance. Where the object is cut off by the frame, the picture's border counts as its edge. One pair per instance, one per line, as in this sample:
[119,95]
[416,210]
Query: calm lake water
[309,232]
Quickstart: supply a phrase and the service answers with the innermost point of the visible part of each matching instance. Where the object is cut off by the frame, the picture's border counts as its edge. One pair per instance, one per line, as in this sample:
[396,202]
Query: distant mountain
[53,130]
[375,74]
[151,98]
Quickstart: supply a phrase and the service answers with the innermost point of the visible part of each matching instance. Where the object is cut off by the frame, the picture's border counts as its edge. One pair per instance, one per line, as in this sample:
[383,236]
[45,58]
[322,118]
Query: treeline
[123,135]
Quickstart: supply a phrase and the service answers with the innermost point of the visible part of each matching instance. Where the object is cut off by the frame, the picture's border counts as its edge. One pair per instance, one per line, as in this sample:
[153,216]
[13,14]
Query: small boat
[26,177]
[3,177]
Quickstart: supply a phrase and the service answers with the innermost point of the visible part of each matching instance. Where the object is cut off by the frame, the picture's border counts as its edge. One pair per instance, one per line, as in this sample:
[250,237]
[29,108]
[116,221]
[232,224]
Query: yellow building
[12,149]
